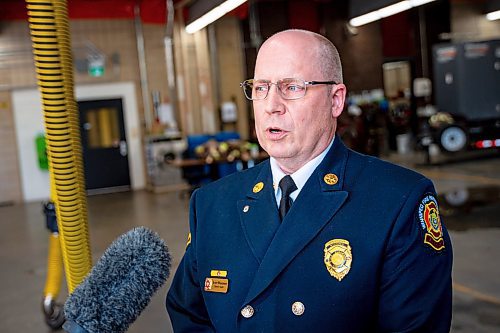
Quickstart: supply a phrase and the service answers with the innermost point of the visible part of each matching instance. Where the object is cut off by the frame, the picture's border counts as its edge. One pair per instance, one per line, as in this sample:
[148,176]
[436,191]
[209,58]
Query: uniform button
[247,311]
[298,308]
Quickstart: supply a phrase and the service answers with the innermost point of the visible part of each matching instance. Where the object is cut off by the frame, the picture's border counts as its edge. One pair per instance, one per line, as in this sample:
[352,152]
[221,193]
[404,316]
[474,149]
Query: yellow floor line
[476,294]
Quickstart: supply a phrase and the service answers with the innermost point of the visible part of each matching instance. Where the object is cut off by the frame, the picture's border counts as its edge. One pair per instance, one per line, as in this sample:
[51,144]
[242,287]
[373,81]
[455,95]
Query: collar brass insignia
[338,258]
[258,187]
[331,179]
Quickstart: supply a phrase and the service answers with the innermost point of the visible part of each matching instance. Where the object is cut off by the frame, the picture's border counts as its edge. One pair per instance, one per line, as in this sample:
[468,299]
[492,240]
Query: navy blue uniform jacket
[397,282]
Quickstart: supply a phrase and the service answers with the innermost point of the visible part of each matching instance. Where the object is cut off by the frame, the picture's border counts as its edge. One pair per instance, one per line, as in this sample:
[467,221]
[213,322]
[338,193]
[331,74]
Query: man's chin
[278,154]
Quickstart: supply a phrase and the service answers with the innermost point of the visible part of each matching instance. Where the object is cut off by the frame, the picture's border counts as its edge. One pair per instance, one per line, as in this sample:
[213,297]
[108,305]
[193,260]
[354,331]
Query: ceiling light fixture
[213,15]
[493,15]
[386,11]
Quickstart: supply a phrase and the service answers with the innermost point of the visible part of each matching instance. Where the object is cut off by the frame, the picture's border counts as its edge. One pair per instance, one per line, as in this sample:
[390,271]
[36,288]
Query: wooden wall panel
[194,81]
[115,39]
[155,59]
[16,59]
[231,68]
[202,67]
[10,189]
[469,22]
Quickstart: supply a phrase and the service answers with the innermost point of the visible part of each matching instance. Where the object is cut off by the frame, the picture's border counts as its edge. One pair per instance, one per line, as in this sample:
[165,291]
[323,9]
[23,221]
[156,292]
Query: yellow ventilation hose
[54,268]
[54,314]
[49,28]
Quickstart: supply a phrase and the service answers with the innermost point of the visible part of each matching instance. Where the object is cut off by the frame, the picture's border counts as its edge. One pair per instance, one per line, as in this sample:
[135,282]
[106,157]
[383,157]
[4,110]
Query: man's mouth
[274,130]
[276,133]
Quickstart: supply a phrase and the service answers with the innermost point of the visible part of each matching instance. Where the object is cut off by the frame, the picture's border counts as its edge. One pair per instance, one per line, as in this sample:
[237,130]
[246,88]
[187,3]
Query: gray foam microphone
[120,285]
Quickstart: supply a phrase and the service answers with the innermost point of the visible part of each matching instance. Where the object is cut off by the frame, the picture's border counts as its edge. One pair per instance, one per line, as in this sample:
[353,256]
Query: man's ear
[338,95]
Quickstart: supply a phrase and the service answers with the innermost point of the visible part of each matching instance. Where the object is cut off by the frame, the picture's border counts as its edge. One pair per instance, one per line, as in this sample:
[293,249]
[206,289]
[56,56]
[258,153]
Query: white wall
[28,119]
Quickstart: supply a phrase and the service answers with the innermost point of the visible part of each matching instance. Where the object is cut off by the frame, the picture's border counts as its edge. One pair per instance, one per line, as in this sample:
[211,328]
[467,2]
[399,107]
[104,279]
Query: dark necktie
[287,186]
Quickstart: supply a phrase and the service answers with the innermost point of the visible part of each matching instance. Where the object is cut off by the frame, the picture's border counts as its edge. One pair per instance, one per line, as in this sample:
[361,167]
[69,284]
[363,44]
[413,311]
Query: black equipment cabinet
[467,79]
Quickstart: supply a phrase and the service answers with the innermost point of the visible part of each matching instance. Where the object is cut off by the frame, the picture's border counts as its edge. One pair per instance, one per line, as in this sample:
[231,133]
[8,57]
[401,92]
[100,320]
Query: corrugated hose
[49,28]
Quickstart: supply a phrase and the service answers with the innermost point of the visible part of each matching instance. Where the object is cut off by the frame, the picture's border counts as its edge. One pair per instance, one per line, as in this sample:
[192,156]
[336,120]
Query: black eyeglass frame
[306,83]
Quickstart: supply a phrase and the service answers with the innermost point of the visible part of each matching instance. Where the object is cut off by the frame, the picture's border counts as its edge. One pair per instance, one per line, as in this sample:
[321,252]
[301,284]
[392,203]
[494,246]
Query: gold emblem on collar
[258,187]
[338,258]
[331,179]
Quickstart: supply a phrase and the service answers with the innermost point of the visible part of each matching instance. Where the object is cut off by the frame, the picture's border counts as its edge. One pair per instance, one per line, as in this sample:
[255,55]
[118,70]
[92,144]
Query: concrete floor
[474,228]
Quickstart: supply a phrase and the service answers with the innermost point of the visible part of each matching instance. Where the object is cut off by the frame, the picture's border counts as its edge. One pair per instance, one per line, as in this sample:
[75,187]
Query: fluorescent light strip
[213,15]
[386,11]
[394,9]
[493,15]
[416,3]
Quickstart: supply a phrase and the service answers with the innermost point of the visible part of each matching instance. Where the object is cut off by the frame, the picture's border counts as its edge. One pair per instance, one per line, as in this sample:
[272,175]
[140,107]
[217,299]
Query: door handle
[123,148]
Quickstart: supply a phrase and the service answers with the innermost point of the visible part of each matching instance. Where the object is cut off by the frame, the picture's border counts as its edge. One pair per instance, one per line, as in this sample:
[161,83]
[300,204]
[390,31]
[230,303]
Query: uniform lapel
[315,206]
[259,213]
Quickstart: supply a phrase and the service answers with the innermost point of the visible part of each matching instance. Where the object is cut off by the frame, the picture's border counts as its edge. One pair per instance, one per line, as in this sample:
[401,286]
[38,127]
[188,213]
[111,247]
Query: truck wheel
[453,139]
[457,198]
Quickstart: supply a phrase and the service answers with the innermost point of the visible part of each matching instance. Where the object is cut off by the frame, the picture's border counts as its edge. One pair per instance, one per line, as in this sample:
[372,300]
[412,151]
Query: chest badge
[338,258]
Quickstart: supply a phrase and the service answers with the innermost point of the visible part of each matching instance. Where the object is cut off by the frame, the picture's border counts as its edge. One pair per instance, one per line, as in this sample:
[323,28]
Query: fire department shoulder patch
[428,216]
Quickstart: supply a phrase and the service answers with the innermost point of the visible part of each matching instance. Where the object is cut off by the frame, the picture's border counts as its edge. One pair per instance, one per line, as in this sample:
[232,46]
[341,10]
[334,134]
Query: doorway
[104,146]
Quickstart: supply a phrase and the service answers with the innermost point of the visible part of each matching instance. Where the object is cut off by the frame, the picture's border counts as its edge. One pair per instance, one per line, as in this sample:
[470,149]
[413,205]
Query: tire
[457,198]
[453,139]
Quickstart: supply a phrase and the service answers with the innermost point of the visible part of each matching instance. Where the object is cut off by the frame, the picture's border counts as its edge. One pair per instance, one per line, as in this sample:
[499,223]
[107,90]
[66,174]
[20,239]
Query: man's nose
[274,100]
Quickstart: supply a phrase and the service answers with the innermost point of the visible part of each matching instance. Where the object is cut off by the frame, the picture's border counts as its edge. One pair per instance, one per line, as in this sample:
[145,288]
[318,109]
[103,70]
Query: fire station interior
[160,112]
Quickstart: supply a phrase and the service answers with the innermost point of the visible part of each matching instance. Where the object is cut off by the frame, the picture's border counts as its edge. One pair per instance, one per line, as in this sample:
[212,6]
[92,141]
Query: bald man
[318,238]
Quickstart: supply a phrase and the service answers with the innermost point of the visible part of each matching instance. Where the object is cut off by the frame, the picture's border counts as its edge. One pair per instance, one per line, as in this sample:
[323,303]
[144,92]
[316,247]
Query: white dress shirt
[300,176]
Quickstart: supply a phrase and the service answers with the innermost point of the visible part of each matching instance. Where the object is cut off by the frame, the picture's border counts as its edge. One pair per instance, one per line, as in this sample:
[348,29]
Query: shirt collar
[300,176]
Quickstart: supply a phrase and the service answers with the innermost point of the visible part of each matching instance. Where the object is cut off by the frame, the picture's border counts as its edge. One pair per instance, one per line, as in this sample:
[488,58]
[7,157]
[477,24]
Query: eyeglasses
[256,90]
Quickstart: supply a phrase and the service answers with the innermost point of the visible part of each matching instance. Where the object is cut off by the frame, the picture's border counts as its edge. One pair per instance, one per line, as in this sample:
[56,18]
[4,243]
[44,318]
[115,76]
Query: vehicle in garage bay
[467,97]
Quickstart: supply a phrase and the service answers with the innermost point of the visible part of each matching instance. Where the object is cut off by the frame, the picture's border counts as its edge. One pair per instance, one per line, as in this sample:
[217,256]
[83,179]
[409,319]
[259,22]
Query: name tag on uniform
[216,285]
[218,273]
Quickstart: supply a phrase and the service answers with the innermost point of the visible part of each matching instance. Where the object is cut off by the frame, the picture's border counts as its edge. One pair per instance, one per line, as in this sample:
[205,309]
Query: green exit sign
[96,66]
[96,71]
